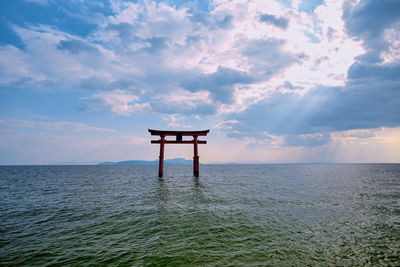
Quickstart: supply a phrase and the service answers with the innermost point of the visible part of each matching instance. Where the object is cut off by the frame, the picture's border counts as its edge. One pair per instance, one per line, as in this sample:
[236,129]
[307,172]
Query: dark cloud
[100,83]
[362,104]
[76,47]
[368,20]
[127,34]
[126,31]
[226,22]
[279,22]
[383,72]
[201,17]
[157,44]
[370,17]
[220,83]
[211,22]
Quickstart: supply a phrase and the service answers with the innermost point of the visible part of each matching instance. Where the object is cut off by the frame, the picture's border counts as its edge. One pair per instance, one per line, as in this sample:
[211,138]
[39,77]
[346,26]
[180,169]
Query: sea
[232,215]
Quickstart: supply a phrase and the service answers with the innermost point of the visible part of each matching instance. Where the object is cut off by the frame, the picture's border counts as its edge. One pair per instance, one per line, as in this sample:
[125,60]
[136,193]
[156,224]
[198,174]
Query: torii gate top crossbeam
[181,133]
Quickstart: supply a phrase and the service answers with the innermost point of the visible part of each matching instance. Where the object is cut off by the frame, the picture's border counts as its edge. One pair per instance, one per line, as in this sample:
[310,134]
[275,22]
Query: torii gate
[179,140]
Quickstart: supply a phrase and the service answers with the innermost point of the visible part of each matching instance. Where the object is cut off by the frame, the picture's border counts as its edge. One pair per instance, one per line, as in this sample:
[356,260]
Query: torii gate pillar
[195,157]
[161,161]
[178,135]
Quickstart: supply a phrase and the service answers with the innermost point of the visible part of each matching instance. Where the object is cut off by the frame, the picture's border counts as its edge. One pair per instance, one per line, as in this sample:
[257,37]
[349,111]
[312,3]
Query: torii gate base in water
[178,140]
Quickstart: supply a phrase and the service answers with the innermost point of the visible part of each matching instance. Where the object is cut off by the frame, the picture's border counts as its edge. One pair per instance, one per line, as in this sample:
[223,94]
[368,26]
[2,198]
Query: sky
[81,81]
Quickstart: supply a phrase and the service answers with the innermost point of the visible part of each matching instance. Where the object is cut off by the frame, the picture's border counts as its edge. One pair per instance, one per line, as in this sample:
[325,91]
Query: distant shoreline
[181,161]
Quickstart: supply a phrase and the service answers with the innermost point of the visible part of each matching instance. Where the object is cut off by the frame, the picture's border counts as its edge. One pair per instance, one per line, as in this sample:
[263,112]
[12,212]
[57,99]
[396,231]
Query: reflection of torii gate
[179,140]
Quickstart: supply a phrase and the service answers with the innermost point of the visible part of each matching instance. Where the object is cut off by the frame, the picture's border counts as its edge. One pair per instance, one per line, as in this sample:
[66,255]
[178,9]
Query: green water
[232,215]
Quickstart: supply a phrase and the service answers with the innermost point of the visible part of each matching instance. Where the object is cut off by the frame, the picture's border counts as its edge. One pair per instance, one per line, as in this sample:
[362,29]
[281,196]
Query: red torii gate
[178,140]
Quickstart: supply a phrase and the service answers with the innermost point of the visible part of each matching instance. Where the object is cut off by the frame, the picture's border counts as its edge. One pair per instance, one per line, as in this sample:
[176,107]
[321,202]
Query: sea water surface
[232,215]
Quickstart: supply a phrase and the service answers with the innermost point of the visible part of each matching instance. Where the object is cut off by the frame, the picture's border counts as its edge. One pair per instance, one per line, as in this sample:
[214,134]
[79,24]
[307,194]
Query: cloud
[76,46]
[220,83]
[289,86]
[58,126]
[371,71]
[15,73]
[184,102]
[359,105]
[225,124]
[369,20]
[119,102]
[173,122]
[156,44]
[356,134]
[274,20]
[266,56]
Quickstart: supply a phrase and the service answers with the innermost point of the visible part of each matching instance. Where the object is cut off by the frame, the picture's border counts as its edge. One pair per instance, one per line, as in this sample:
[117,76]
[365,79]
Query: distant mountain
[148,162]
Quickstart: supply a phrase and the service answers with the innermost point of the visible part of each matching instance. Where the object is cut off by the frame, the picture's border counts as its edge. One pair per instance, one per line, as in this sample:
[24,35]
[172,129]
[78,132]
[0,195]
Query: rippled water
[289,214]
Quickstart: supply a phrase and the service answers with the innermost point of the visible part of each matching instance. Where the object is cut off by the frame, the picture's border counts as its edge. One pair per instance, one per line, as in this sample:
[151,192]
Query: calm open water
[253,215]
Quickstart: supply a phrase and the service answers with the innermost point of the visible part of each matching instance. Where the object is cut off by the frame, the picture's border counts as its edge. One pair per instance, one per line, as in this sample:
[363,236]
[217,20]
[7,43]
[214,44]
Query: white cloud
[120,102]
[225,124]
[18,70]
[173,119]
[184,102]
[392,37]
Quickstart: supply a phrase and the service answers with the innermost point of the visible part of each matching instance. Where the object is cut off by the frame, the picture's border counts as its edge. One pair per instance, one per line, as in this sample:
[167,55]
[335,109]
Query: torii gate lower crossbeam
[178,140]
